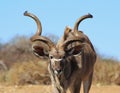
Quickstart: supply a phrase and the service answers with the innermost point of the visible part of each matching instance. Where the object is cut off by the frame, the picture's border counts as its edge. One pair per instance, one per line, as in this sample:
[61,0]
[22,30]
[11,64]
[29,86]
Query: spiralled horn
[80,20]
[39,26]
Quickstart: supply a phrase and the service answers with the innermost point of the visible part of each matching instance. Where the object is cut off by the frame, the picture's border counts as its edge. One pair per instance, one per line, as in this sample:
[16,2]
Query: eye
[51,57]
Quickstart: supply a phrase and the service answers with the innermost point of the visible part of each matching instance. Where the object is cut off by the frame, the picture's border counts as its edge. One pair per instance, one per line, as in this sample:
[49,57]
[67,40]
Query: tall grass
[25,68]
[106,71]
[26,73]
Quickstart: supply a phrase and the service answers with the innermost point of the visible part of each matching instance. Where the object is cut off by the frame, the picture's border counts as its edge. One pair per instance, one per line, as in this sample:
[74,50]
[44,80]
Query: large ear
[41,46]
[40,49]
[75,48]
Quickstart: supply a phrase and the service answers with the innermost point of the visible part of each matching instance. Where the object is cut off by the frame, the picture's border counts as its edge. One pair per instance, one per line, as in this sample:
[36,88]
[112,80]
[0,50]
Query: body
[71,60]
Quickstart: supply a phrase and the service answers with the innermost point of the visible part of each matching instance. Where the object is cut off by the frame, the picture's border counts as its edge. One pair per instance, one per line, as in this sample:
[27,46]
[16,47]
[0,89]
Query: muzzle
[57,66]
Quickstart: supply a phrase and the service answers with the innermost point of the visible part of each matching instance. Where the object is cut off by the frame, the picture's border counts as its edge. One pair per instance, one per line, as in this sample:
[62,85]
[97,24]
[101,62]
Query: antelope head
[45,48]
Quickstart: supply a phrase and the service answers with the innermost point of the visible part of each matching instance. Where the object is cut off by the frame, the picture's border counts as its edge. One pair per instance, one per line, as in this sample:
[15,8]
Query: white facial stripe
[54,59]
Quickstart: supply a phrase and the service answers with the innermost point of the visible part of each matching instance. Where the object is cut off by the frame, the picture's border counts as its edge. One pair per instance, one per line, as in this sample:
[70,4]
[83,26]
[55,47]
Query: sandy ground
[47,89]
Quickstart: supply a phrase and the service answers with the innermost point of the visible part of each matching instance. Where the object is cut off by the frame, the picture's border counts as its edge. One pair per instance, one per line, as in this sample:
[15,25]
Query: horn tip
[25,13]
[91,16]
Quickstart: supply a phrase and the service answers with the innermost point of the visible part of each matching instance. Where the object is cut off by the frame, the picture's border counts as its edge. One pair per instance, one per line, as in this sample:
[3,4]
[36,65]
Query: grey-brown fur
[71,60]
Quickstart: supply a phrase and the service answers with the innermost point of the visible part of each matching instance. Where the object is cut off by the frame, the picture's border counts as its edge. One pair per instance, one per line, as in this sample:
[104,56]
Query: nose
[59,70]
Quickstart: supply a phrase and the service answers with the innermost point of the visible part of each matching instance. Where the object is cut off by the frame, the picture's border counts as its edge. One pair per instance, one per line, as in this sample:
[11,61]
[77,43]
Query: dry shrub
[107,71]
[2,77]
[24,67]
[17,50]
[28,73]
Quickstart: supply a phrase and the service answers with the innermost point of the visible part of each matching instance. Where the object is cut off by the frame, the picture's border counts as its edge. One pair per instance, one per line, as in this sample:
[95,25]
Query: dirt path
[47,89]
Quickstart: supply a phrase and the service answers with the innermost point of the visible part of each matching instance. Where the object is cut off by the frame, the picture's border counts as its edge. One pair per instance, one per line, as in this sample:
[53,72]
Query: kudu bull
[71,60]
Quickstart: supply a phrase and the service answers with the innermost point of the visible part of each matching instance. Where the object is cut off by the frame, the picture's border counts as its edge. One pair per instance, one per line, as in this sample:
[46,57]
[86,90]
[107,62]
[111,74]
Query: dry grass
[48,89]
[107,71]
[25,68]
[27,73]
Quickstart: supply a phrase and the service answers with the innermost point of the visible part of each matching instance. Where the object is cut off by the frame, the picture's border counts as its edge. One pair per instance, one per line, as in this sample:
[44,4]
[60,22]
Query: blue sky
[103,30]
